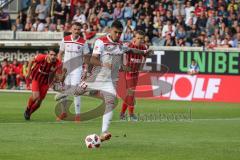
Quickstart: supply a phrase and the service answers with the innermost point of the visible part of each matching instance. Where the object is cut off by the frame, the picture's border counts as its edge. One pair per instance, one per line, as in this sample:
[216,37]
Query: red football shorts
[131,83]
[131,79]
[41,88]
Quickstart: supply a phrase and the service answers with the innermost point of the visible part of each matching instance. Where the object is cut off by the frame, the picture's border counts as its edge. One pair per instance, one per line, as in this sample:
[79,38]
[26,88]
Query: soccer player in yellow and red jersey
[134,63]
[41,68]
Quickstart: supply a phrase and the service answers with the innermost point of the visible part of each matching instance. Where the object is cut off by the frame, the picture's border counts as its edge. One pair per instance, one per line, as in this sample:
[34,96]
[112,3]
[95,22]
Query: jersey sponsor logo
[135,60]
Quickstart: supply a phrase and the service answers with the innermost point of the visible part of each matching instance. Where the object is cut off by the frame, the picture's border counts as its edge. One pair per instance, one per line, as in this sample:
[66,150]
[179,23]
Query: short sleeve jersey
[109,52]
[74,50]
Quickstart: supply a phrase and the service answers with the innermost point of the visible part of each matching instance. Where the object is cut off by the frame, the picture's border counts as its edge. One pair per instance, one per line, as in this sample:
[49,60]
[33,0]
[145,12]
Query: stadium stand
[213,23]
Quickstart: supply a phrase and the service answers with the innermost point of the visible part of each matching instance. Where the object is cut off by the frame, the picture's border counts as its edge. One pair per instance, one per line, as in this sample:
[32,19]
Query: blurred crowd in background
[210,23]
[13,75]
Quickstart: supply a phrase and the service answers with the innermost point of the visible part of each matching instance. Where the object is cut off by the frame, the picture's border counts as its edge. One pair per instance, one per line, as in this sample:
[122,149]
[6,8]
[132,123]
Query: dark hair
[117,24]
[56,50]
[76,24]
[140,32]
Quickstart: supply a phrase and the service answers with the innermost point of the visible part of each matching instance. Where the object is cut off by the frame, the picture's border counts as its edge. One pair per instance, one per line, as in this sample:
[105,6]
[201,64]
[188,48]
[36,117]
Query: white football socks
[77,104]
[107,117]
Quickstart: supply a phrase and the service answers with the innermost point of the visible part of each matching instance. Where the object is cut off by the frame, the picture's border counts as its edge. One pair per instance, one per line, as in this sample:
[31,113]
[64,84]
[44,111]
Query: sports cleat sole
[105,137]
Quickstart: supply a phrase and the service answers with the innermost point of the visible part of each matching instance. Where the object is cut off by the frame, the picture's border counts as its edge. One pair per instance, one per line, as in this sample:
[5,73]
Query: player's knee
[39,101]
[110,103]
[36,97]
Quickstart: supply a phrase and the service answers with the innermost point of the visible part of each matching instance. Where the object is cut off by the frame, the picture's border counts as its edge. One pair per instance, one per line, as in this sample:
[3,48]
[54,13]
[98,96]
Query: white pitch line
[217,119]
[22,91]
[118,121]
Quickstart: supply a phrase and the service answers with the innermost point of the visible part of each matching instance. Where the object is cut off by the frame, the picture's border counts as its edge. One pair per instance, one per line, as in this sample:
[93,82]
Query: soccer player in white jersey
[108,54]
[74,51]
[106,60]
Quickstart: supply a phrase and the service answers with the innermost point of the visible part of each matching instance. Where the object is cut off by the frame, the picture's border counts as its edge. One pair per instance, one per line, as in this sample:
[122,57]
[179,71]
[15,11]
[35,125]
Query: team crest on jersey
[110,48]
[79,47]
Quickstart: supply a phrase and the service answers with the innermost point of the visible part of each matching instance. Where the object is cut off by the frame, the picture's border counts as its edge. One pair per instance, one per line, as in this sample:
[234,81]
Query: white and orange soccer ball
[93,141]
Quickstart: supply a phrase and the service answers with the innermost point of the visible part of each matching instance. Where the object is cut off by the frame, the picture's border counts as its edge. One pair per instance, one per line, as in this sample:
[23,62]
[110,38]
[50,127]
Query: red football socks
[124,108]
[130,110]
[33,105]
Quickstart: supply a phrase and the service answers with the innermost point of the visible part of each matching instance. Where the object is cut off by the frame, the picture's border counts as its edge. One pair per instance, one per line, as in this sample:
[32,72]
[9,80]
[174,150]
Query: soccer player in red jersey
[1,71]
[17,73]
[134,63]
[41,69]
[5,73]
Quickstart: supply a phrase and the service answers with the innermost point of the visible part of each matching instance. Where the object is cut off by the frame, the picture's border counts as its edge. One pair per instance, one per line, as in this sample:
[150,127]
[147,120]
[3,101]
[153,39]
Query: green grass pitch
[212,132]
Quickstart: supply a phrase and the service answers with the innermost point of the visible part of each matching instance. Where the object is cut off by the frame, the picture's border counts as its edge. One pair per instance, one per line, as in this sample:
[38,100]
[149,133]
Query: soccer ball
[93,141]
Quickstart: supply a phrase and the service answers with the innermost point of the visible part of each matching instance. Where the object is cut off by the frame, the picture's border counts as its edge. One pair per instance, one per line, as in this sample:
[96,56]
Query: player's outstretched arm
[60,76]
[60,55]
[138,51]
[30,64]
[86,60]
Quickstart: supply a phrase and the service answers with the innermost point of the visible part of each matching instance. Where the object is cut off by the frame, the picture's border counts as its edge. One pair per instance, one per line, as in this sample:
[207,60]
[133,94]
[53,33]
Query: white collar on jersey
[76,39]
[109,38]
